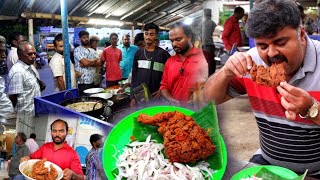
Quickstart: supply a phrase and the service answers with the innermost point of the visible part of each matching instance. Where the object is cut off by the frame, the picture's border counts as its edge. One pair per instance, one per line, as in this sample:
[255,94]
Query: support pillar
[66,47]
[30,31]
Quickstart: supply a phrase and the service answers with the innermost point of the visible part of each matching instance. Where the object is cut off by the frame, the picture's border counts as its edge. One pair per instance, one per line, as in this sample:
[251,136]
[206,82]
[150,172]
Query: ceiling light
[104,22]
[188,21]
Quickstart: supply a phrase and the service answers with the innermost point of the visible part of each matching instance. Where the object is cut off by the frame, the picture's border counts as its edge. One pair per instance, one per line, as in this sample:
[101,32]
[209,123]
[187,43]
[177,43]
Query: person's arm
[61,84]
[69,174]
[26,152]
[15,86]
[36,155]
[134,73]
[75,171]
[226,33]
[216,86]
[164,85]
[90,62]
[297,101]
[5,103]
[57,69]
[167,95]
[84,62]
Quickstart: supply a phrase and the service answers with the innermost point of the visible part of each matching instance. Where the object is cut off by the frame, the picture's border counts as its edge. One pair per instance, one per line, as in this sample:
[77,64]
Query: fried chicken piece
[184,140]
[40,172]
[39,169]
[270,76]
[53,174]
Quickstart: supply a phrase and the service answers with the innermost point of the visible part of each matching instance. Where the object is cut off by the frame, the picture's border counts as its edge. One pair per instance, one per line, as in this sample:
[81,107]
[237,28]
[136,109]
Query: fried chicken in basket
[184,140]
[40,172]
[270,76]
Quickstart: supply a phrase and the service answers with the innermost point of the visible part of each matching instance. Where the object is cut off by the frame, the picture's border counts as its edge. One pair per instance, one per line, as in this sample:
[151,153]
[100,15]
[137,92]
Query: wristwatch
[312,111]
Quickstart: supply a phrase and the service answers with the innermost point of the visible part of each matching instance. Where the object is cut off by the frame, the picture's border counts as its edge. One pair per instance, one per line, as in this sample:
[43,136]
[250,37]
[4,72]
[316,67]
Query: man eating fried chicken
[59,152]
[287,113]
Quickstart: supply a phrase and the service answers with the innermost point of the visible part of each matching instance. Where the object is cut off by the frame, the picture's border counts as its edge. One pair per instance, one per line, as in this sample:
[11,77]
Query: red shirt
[112,56]
[179,84]
[231,33]
[64,157]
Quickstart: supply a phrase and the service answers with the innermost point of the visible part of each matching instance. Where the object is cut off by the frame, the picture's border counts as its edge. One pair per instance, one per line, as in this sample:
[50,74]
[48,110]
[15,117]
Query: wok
[105,110]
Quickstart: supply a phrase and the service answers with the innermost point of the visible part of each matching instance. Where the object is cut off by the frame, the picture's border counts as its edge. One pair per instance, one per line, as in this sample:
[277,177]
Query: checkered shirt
[23,82]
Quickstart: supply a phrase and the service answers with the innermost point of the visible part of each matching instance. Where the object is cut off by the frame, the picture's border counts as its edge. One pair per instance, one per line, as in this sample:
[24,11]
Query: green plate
[120,136]
[246,173]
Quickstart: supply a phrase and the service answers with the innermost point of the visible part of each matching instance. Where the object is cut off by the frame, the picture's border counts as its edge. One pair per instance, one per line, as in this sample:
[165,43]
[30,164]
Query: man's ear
[302,35]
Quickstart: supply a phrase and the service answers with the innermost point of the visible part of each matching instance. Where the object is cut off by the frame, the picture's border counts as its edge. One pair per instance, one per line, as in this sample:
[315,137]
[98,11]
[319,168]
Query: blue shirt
[127,59]
[93,165]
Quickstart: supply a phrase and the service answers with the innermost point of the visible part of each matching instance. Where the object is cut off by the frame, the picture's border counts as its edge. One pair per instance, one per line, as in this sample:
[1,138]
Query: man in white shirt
[57,66]
[15,38]
[32,144]
[6,108]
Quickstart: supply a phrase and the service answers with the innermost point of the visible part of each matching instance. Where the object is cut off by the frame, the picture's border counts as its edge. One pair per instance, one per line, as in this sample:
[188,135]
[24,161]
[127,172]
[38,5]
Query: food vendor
[59,152]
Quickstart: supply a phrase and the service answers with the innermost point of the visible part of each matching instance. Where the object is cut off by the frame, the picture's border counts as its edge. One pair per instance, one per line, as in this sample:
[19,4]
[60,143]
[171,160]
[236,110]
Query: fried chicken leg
[40,172]
[270,76]
[184,140]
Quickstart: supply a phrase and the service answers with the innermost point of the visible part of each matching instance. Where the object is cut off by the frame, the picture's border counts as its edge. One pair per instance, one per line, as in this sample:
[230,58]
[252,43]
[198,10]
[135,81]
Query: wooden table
[235,166]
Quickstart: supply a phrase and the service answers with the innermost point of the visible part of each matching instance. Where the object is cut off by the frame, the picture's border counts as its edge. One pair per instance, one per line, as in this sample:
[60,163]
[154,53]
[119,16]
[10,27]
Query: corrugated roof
[126,10]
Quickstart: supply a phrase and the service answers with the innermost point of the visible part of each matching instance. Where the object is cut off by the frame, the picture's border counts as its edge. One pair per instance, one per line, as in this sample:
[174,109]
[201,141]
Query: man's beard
[182,51]
[126,44]
[58,142]
[86,43]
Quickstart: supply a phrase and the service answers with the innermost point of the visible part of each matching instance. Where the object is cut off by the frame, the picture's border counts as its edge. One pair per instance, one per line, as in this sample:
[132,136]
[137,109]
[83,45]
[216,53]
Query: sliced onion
[144,160]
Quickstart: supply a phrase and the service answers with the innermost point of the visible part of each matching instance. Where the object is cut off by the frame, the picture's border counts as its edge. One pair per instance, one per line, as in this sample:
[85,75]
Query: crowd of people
[167,78]
[145,63]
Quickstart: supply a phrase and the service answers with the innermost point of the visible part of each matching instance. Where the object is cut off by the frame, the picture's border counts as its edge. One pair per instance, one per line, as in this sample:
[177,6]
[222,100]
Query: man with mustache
[57,66]
[185,69]
[148,63]
[23,87]
[86,61]
[59,152]
[287,115]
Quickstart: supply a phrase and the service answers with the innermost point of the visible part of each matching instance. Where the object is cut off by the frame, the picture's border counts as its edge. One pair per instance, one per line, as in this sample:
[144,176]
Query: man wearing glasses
[23,86]
[183,70]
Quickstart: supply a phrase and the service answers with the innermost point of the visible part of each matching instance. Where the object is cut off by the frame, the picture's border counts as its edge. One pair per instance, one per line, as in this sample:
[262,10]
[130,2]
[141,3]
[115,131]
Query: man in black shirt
[148,63]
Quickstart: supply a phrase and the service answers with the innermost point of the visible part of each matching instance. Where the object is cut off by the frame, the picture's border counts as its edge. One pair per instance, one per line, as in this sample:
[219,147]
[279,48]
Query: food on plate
[144,160]
[184,140]
[39,171]
[270,76]
[85,106]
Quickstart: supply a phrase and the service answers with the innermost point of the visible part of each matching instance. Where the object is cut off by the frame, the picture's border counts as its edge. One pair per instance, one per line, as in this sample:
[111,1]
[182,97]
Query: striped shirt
[291,144]
[23,82]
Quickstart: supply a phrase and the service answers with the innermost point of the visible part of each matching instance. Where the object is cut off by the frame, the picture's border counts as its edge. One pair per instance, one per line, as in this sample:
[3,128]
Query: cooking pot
[105,110]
